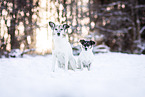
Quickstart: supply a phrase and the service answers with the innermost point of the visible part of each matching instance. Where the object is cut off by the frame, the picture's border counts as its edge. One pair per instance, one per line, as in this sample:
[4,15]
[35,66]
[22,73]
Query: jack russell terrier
[62,52]
[86,56]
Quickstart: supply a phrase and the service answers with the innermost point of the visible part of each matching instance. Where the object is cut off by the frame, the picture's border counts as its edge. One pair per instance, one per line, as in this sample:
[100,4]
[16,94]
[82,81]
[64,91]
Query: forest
[116,24]
[36,63]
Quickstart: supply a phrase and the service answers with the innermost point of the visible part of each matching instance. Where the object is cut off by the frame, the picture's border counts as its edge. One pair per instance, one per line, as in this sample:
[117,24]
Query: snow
[111,75]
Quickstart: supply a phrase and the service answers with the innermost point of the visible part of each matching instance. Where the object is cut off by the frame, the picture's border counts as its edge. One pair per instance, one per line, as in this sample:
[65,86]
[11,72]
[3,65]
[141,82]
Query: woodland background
[117,24]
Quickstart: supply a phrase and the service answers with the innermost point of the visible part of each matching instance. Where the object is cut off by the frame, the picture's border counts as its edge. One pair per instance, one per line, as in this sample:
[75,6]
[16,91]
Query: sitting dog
[62,52]
[86,56]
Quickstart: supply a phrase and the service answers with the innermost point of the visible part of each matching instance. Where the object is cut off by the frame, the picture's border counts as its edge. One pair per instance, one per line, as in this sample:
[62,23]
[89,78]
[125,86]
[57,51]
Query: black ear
[92,42]
[82,41]
[51,24]
[65,26]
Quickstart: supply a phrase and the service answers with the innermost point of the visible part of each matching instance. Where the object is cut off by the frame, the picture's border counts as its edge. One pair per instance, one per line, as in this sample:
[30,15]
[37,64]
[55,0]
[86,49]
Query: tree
[17,23]
[119,22]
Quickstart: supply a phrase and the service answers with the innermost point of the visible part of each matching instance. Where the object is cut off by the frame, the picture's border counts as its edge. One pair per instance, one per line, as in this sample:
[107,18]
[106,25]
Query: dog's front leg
[66,62]
[89,67]
[82,66]
[53,61]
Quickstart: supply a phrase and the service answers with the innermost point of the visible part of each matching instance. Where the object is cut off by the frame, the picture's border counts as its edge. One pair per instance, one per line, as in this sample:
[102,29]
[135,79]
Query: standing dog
[86,56]
[62,52]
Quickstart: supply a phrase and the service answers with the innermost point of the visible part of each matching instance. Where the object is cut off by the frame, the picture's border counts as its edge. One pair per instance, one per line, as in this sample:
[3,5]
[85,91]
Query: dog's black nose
[58,34]
[85,49]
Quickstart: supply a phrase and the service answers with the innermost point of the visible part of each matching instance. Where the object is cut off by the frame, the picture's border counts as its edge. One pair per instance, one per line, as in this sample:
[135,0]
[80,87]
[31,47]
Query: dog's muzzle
[58,34]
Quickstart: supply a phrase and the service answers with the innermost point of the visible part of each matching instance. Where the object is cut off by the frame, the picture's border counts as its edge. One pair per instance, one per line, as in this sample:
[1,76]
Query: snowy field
[111,75]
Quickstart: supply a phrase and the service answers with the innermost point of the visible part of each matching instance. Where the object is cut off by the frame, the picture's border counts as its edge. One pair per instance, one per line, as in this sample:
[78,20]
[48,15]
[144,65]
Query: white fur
[85,59]
[62,52]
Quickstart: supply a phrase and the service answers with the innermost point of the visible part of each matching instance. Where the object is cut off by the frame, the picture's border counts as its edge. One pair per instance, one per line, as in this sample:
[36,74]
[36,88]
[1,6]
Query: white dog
[62,52]
[86,56]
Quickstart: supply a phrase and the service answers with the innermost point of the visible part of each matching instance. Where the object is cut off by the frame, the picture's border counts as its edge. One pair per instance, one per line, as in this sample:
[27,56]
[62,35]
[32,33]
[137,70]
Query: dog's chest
[86,57]
[60,44]
[61,49]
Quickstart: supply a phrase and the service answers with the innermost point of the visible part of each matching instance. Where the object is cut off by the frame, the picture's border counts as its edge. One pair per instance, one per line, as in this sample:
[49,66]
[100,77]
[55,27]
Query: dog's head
[58,30]
[87,45]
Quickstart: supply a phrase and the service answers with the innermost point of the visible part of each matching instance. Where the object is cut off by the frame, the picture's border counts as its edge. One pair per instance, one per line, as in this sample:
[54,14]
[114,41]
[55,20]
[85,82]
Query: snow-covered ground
[111,75]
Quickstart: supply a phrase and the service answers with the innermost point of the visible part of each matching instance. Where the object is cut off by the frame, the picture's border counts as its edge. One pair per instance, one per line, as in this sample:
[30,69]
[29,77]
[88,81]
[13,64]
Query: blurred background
[115,25]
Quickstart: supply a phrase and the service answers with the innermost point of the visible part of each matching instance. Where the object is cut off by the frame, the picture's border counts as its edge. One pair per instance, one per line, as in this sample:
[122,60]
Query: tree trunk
[14,42]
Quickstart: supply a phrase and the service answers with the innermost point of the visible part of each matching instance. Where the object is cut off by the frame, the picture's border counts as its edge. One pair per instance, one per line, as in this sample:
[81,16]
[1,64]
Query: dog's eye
[84,46]
[88,44]
[55,29]
[61,29]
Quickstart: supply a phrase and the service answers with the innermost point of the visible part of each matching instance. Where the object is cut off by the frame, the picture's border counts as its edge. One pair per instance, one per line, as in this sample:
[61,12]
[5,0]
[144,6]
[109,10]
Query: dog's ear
[82,41]
[51,24]
[92,42]
[65,26]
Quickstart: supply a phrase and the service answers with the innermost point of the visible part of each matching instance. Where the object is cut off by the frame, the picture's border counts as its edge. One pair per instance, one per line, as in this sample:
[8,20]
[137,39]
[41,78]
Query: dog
[62,52]
[86,56]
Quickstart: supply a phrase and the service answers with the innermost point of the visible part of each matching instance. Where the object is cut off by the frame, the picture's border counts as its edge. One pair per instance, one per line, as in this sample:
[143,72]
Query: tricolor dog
[62,52]
[86,56]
